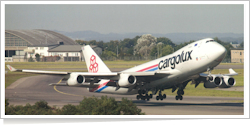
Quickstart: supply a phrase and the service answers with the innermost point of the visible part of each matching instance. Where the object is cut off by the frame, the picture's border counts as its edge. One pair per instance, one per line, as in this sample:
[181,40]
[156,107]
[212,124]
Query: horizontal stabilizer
[232,72]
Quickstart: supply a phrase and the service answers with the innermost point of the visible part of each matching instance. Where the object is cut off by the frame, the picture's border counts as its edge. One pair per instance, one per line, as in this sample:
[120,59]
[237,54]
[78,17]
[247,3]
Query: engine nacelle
[228,82]
[126,80]
[214,81]
[75,79]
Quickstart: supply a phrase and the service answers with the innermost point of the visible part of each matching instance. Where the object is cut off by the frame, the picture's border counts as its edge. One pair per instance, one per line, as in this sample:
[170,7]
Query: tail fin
[12,69]
[93,61]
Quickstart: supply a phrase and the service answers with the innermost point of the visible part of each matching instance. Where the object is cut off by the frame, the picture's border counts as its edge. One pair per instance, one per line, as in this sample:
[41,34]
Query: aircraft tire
[181,97]
[164,96]
[176,98]
[143,98]
[138,97]
[157,97]
[143,91]
[148,98]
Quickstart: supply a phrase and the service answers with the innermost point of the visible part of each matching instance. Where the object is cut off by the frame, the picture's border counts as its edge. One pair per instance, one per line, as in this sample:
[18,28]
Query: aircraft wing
[37,71]
[215,80]
[231,73]
[102,75]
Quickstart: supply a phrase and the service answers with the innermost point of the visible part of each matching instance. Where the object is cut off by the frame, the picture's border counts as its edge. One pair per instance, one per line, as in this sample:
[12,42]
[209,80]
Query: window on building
[240,53]
[41,48]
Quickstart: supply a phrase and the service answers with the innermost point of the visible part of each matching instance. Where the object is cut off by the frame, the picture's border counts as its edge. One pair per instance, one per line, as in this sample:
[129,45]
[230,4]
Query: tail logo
[93,65]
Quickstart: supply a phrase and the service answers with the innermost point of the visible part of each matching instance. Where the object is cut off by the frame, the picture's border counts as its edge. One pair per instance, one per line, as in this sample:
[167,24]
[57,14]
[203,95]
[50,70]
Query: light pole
[117,51]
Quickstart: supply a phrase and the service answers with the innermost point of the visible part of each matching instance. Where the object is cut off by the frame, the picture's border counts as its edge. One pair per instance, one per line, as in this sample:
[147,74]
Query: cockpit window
[209,41]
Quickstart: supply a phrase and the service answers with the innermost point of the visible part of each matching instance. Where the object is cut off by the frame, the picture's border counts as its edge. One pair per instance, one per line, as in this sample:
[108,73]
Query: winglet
[12,69]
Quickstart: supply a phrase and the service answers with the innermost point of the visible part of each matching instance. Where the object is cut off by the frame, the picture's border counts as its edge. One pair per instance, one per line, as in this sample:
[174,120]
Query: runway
[36,88]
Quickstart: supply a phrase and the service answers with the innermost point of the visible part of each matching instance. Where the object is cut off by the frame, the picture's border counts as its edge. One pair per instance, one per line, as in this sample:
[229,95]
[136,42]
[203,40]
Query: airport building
[237,55]
[21,45]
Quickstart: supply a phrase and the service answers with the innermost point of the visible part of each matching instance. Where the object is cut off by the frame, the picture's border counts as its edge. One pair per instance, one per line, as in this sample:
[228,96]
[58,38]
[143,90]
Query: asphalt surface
[36,88]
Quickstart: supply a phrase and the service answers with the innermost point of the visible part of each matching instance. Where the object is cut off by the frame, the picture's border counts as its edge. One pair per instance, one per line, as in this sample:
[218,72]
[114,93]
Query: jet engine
[75,79]
[126,80]
[228,82]
[213,81]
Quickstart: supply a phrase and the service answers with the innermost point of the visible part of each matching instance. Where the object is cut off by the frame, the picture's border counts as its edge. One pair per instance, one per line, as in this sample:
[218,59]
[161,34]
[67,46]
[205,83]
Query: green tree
[165,41]
[127,107]
[100,44]
[177,47]
[69,110]
[145,44]
[167,50]
[241,45]
[92,42]
[37,57]
[31,59]
[106,106]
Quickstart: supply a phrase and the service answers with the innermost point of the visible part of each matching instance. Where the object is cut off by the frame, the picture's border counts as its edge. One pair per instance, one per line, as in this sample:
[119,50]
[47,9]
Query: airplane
[173,71]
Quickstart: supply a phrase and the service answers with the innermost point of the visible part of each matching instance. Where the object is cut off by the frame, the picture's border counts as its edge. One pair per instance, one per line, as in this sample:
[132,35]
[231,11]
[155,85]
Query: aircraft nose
[219,52]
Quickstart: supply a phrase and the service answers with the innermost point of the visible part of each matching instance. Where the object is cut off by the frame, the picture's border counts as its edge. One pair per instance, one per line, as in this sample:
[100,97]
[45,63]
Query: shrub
[42,105]
[88,106]
[68,110]
[127,107]
[31,59]
[37,57]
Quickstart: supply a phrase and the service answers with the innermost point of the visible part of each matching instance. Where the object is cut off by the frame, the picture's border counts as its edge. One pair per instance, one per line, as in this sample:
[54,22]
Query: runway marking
[63,92]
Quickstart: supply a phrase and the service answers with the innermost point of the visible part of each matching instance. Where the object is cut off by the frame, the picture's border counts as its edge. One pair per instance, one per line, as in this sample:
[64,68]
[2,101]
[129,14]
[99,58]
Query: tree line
[88,106]
[144,47]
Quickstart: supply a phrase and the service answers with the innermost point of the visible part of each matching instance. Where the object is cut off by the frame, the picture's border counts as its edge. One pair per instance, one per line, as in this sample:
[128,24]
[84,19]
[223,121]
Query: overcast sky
[127,18]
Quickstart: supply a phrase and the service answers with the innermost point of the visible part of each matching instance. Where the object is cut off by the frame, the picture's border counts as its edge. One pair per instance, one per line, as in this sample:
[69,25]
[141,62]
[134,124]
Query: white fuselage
[188,61]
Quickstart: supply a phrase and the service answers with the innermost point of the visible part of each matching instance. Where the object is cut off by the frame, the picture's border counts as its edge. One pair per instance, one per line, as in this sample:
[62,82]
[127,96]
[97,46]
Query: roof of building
[67,48]
[38,36]
[237,49]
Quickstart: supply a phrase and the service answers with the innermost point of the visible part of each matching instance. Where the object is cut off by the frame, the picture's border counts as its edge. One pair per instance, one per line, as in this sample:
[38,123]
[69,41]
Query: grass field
[11,77]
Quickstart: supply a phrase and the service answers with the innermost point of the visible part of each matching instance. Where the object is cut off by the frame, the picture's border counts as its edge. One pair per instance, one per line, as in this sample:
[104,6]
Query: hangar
[21,44]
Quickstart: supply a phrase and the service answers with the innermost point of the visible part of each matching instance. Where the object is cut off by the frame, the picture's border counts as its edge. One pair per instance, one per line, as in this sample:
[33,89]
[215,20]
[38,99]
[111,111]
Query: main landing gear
[179,94]
[160,96]
[180,91]
[145,97]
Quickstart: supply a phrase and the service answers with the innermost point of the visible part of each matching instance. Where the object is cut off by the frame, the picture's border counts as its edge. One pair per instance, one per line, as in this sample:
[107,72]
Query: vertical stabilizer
[93,61]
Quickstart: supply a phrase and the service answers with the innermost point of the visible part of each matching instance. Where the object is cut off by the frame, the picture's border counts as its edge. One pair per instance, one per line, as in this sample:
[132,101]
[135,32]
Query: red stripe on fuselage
[100,86]
[147,68]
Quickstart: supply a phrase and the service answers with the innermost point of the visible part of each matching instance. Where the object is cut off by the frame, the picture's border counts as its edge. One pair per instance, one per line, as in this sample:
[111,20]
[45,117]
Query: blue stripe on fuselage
[153,69]
[99,90]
